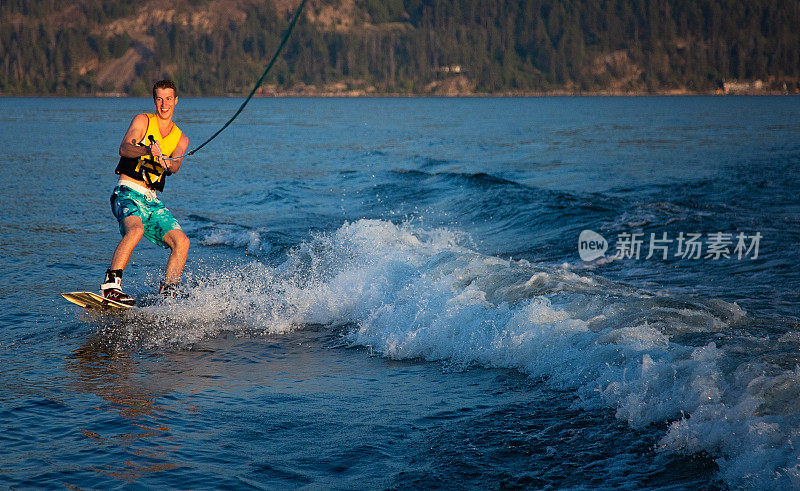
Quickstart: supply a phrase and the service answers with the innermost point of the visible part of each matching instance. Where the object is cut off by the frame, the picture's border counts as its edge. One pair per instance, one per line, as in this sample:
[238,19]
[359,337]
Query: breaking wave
[406,292]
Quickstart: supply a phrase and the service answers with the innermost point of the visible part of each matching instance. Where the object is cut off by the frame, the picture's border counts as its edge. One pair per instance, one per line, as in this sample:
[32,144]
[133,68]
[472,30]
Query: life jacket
[145,168]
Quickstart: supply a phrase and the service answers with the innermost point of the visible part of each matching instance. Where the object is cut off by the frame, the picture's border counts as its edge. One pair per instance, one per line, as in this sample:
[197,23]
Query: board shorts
[156,218]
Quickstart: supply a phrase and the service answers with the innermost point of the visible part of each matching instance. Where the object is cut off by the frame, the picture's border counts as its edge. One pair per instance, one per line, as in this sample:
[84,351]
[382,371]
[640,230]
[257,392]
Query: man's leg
[134,230]
[112,285]
[179,245]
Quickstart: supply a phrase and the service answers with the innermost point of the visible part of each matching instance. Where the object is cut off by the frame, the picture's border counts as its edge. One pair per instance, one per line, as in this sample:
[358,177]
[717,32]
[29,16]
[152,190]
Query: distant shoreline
[374,95]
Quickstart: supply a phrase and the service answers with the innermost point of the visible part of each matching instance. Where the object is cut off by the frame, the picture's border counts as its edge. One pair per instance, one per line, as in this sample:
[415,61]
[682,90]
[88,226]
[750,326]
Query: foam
[235,236]
[408,292]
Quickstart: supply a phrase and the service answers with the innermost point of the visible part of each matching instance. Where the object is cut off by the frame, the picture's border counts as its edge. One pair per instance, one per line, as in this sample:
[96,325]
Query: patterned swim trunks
[156,218]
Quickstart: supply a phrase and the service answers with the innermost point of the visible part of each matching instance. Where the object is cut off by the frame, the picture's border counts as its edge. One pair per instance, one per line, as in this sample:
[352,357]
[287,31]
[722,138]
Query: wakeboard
[93,301]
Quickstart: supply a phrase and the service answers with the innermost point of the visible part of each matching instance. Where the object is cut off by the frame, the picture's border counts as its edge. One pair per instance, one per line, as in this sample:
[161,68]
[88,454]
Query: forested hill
[353,47]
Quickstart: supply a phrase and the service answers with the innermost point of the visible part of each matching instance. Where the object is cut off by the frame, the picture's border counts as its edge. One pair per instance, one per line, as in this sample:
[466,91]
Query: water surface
[387,293]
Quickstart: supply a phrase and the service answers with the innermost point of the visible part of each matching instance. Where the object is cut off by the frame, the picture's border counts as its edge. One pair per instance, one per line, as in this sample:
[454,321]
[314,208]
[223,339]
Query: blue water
[387,293]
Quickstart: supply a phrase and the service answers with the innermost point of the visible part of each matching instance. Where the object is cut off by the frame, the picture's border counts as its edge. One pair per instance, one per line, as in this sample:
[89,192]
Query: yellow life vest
[146,168]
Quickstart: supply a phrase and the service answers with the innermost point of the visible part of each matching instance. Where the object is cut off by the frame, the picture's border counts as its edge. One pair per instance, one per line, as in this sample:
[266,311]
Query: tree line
[407,46]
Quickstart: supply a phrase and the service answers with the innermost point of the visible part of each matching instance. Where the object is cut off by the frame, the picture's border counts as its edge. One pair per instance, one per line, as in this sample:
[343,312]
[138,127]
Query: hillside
[415,47]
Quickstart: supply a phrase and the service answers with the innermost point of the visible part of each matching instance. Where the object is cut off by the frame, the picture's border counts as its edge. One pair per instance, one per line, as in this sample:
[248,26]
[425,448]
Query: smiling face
[165,101]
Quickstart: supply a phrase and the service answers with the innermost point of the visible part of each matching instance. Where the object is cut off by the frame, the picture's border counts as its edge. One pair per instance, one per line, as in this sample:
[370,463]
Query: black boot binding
[112,288]
[168,290]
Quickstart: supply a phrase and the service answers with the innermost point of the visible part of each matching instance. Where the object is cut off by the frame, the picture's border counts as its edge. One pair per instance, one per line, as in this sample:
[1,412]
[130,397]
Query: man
[144,164]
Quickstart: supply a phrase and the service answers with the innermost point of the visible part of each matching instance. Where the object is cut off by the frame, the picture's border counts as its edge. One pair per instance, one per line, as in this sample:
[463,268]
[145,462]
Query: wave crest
[406,292]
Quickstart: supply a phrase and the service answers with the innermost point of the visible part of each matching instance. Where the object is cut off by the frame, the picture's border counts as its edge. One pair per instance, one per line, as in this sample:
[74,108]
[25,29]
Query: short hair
[165,84]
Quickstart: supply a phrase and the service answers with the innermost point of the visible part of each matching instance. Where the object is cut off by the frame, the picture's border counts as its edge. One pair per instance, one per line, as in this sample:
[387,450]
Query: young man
[142,170]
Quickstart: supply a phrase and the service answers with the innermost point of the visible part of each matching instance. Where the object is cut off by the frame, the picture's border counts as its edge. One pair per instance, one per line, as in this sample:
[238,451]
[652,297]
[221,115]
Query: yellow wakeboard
[93,301]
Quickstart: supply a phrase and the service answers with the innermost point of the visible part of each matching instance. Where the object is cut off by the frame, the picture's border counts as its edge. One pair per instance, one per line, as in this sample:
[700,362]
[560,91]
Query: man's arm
[180,150]
[130,142]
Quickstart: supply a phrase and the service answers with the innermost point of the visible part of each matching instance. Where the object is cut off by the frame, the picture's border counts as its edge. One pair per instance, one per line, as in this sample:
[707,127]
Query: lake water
[388,293]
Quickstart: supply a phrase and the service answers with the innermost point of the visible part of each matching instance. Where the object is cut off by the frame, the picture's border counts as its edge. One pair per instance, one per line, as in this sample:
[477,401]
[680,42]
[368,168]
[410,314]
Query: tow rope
[258,82]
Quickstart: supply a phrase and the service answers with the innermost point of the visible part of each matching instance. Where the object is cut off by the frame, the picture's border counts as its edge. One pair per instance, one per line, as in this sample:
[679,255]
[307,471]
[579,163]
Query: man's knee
[177,240]
[134,230]
[134,233]
[184,242]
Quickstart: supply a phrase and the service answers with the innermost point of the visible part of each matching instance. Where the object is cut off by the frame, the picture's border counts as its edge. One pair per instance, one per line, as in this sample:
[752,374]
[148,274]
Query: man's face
[165,102]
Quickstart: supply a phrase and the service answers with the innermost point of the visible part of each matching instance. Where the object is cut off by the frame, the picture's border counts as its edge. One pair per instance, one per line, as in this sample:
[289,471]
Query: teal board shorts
[156,218]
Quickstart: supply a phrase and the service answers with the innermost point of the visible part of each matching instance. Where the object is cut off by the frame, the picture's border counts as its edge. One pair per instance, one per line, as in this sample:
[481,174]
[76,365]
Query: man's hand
[155,150]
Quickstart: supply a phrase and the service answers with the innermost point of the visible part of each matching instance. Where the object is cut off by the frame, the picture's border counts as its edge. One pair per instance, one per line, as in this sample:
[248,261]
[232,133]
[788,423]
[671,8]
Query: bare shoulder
[183,144]
[140,121]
